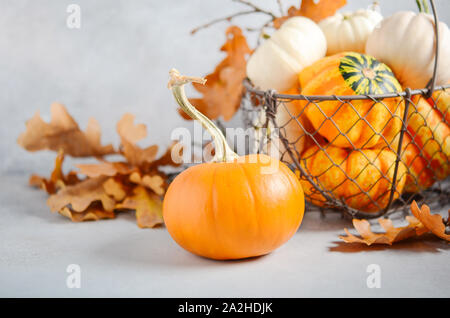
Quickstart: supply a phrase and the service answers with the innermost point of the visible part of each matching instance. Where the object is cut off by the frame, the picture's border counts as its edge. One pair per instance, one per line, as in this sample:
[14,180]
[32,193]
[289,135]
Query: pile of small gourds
[349,149]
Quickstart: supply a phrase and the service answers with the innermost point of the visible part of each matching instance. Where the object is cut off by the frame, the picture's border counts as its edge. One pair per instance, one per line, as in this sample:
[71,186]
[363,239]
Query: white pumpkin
[406,42]
[276,63]
[349,31]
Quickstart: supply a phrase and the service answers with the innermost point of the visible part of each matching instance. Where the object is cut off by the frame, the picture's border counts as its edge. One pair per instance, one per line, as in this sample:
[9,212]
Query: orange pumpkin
[419,175]
[360,178]
[431,134]
[359,123]
[294,126]
[234,207]
[442,101]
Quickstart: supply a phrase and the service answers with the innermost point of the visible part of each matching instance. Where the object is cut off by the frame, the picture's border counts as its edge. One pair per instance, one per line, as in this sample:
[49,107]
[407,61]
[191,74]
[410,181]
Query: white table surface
[118,62]
[119,259]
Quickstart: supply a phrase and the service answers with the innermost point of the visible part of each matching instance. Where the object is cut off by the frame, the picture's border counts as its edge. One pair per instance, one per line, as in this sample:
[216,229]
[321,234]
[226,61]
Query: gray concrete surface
[116,63]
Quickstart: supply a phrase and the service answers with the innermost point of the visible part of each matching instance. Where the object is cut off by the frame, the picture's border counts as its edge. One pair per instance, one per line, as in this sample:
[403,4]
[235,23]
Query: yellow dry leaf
[148,207]
[63,133]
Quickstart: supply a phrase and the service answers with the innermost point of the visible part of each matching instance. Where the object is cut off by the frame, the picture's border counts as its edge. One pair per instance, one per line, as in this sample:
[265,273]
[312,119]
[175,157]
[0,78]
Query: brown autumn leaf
[57,178]
[172,157]
[105,168]
[133,184]
[130,134]
[156,183]
[81,195]
[115,188]
[391,235]
[316,10]
[63,133]
[433,222]
[92,213]
[223,89]
[148,207]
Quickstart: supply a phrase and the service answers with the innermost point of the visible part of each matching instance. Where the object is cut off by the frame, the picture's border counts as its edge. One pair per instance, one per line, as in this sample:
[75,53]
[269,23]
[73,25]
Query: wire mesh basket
[382,169]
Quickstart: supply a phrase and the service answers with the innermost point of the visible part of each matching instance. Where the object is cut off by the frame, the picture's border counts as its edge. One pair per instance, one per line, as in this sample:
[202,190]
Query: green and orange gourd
[357,161]
[233,207]
[361,123]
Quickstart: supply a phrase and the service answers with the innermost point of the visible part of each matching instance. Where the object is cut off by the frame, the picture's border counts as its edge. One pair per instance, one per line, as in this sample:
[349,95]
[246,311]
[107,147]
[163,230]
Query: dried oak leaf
[115,188]
[81,195]
[433,222]
[156,183]
[57,178]
[130,134]
[316,10]
[63,133]
[391,235]
[148,207]
[172,157]
[105,168]
[92,213]
[223,89]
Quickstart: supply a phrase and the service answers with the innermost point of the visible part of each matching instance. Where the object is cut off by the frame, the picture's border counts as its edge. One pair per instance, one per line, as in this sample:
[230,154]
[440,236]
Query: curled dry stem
[223,152]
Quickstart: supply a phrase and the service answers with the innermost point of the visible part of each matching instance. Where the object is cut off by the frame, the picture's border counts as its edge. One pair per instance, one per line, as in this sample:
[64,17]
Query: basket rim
[422,91]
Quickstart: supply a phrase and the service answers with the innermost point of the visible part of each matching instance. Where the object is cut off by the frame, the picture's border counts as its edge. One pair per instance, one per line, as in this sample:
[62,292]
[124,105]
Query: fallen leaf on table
[57,178]
[135,183]
[422,222]
[130,134]
[93,213]
[420,228]
[148,207]
[105,168]
[63,133]
[154,182]
[172,157]
[223,89]
[115,189]
[391,235]
[81,195]
[433,222]
[316,10]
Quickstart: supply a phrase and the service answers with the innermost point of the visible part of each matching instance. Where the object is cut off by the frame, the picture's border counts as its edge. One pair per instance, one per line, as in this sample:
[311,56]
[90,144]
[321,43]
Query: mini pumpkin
[406,42]
[349,31]
[276,62]
[441,99]
[419,175]
[234,207]
[431,134]
[358,123]
[293,126]
[361,178]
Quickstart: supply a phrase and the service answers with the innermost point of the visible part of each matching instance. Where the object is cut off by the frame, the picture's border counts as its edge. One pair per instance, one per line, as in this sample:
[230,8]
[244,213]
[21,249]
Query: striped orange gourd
[361,178]
[359,123]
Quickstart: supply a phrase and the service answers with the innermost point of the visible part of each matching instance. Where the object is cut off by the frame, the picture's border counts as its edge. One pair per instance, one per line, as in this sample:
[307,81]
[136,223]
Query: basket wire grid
[402,167]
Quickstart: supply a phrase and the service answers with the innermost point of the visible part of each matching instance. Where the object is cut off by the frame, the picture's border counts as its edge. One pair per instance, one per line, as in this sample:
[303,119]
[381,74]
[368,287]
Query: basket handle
[432,82]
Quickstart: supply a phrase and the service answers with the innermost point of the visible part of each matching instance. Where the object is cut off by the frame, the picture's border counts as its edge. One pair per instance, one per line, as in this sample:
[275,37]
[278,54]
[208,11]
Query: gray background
[118,62]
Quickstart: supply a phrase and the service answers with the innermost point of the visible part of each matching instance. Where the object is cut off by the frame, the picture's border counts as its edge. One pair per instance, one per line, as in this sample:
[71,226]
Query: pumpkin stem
[176,83]
[423,6]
